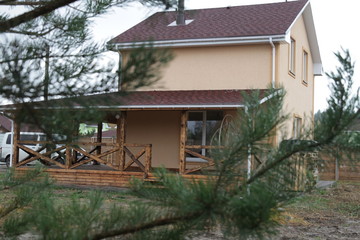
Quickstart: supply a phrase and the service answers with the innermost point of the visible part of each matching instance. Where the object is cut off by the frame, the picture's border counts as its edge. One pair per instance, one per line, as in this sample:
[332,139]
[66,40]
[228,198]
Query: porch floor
[101,175]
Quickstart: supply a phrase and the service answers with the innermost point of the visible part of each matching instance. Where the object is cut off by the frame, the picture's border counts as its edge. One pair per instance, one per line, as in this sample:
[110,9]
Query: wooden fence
[339,167]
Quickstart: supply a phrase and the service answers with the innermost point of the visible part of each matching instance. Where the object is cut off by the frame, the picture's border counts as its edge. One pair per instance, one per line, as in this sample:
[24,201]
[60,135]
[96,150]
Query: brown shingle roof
[240,21]
[183,99]
[172,98]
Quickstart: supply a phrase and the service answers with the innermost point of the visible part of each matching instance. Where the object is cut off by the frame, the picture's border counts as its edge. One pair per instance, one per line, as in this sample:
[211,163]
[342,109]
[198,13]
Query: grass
[340,201]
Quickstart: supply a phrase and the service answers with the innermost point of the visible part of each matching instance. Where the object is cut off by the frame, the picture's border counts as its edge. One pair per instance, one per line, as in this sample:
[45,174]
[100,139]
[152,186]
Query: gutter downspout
[248,157]
[273,62]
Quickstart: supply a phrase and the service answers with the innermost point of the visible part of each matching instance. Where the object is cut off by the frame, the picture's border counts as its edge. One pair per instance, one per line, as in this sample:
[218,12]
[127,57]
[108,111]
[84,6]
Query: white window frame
[305,70]
[292,56]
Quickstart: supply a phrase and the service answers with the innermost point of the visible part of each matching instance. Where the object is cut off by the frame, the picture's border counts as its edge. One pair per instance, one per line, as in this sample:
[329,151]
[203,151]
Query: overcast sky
[335,21]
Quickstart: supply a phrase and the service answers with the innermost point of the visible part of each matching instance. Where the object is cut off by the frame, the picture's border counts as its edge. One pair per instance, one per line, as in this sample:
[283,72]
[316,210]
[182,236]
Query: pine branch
[145,226]
[28,16]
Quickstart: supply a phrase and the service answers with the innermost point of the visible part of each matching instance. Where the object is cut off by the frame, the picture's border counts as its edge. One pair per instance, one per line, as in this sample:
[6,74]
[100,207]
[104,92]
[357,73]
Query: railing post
[68,157]
[120,139]
[16,136]
[98,140]
[182,163]
[148,149]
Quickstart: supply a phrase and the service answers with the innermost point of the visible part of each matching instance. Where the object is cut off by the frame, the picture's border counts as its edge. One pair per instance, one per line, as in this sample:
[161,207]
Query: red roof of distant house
[5,123]
[181,99]
[239,21]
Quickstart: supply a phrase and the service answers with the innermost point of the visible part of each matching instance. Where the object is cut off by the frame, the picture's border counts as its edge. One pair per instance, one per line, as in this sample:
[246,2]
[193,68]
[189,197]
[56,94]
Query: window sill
[292,74]
[196,160]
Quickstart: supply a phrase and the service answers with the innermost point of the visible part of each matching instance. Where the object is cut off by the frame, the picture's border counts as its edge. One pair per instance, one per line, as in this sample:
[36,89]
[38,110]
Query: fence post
[336,168]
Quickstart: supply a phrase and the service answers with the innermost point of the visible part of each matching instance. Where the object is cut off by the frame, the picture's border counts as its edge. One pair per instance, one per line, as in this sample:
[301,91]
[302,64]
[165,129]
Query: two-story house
[219,54]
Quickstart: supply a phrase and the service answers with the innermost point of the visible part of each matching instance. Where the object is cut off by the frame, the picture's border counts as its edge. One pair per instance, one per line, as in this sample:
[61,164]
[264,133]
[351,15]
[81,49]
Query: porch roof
[152,100]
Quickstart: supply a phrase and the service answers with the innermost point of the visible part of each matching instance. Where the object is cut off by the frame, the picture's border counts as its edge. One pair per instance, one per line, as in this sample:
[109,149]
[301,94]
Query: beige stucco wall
[159,128]
[224,67]
[299,100]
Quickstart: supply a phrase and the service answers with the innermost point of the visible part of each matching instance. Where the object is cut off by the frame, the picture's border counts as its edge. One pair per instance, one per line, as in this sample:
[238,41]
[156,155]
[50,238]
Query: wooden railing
[145,149]
[70,156]
[189,149]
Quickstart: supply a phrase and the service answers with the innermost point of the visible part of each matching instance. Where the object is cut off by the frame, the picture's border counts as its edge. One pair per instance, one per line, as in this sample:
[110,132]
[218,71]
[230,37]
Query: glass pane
[28,137]
[292,56]
[194,128]
[213,123]
[8,140]
[305,67]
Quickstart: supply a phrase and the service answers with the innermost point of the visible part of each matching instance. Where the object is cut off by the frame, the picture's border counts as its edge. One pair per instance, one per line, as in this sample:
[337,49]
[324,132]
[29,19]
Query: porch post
[121,139]
[98,140]
[16,137]
[68,156]
[99,137]
[182,163]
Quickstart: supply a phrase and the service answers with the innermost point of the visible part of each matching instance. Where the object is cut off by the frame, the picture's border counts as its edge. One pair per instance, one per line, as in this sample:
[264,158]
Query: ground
[332,213]
[322,214]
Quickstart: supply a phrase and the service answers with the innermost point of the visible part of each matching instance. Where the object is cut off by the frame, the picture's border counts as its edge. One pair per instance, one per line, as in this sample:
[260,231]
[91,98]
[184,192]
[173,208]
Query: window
[297,127]
[305,68]
[201,127]
[292,49]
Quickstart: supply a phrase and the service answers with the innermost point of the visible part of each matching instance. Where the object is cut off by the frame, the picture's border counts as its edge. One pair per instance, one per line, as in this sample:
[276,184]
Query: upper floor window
[305,67]
[292,48]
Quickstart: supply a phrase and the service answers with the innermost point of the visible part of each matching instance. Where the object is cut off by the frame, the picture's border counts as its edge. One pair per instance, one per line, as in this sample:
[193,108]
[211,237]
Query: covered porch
[171,129]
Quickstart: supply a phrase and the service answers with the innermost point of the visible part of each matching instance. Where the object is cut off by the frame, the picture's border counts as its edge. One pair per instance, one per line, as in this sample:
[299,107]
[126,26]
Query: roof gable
[229,22]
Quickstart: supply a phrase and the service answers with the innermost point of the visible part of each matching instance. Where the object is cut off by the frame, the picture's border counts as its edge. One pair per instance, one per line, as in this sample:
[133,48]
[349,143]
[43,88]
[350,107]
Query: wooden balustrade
[209,161]
[70,156]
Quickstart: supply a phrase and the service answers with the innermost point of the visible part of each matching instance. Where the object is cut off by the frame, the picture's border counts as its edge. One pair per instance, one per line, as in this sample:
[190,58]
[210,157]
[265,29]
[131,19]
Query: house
[219,53]
[5,126]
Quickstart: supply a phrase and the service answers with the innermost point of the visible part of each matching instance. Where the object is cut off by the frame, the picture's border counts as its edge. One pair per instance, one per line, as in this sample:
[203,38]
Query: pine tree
[48,52]
[230,201]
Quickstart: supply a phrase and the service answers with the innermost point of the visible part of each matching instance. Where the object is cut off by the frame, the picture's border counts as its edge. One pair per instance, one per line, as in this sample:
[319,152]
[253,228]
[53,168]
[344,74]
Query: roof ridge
[236,6]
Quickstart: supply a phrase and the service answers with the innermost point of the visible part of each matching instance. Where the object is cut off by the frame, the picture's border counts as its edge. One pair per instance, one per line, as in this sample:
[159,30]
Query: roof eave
[199,42]
[140,107]
[311,33]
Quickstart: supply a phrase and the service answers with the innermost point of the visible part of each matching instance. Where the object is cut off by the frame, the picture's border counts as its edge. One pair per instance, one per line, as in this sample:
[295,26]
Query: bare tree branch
[37,34]
[39,11]
[22,3]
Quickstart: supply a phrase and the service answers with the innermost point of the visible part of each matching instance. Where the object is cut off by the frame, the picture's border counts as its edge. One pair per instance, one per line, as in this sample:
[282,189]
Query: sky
[335,22]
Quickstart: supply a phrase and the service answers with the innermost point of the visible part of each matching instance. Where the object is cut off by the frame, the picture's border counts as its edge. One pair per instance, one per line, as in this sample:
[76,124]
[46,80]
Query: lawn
[332,213]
